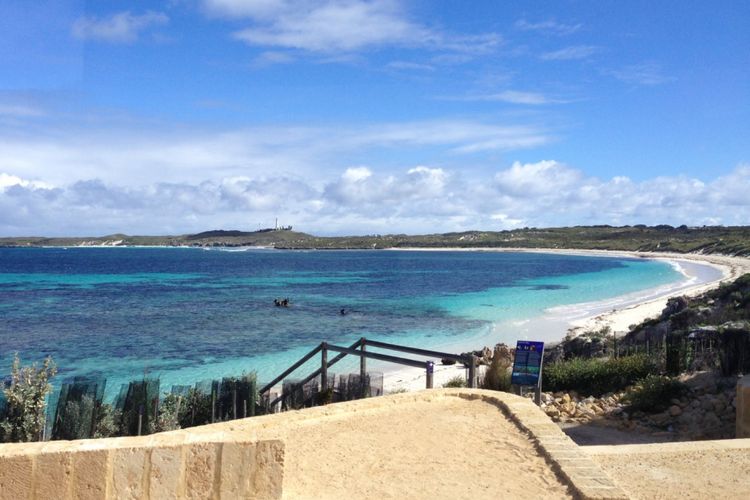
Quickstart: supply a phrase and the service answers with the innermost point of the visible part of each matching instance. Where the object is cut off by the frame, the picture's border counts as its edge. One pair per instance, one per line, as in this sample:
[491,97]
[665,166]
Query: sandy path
[466,449]
[709,469]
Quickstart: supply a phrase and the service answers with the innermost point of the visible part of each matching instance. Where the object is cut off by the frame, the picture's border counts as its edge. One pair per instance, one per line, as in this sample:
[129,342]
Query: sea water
[189,314]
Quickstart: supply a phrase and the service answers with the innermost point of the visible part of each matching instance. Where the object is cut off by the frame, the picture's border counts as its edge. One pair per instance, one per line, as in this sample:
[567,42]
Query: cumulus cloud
[363,199]
[7,181]
[534,179]
[120,154]
[339,26]
[117,28]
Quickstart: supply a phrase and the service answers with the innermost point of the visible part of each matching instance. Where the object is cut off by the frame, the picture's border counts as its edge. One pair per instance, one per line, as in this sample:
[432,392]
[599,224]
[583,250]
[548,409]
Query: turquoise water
[191,314]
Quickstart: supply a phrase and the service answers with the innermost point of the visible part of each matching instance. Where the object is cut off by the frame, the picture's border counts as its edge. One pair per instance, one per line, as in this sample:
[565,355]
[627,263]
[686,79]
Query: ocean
[190,314]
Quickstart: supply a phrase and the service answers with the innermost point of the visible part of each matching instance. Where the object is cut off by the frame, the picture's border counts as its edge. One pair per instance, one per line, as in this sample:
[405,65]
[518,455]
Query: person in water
[342,311]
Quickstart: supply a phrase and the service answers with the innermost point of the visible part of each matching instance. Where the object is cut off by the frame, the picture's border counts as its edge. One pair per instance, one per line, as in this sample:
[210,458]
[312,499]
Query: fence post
[429,368]
[472,382]
[323,367]
[362,368]
[140,419]
[614,346]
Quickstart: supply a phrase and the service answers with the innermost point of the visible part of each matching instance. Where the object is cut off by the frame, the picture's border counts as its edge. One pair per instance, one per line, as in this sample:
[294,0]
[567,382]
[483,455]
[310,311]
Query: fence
[690,350]
[78,411]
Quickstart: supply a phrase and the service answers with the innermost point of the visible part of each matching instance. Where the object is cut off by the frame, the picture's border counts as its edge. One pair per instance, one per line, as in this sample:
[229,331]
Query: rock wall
[161,466]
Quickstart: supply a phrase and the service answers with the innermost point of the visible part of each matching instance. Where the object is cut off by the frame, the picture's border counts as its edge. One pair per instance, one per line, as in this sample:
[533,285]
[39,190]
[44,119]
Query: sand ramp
[445,448]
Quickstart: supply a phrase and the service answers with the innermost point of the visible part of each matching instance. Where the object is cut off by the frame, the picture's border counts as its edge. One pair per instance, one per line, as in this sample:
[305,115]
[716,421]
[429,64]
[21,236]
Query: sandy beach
[617,314]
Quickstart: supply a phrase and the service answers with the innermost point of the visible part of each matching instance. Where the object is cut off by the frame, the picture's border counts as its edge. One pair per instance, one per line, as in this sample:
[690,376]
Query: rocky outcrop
[706,411]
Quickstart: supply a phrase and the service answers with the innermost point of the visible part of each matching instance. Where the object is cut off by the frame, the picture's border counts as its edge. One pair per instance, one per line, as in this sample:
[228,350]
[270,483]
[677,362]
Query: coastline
[617,314]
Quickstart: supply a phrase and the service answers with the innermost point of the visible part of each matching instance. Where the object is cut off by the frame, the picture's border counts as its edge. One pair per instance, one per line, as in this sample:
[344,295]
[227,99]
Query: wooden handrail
[417,351]
[358,349]
[289,370]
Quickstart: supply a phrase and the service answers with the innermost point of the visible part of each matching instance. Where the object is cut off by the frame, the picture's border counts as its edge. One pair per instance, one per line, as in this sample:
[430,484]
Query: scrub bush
[654,393]
[595,376]
[457,381]
[26,401]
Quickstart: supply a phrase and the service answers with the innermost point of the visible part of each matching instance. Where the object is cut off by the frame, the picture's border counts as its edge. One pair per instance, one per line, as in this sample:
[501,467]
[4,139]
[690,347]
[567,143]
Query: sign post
[527,367]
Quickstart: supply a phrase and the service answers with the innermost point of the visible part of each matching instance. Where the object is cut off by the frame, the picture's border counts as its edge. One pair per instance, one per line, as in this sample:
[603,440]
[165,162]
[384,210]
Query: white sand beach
[618,313]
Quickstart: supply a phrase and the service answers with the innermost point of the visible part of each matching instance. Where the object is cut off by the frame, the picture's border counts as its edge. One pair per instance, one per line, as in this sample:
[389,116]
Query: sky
[371,117]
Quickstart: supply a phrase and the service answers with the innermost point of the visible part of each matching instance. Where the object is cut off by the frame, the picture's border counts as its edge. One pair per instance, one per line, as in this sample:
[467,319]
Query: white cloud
[120,27]
[121,154]
[363,199]
[648,73]
[570,53]
[406,65]
[20,110]
[514,97]
[544,177]
[548,27]
[7,181]
[331,26]
[270,57]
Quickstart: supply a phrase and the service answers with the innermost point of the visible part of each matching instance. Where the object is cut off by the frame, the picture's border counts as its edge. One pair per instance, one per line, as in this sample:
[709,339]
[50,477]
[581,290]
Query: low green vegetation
[26,401]
[457,381]
[80,413]
[664,238]
[654,393]
[594,377]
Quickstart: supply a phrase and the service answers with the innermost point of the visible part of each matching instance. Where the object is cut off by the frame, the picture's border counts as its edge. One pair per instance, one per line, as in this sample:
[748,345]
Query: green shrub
[654,393]
[195,409]
[596,376]
[26,400]
[498,374]
[107,422]
[168,418]
[457,381]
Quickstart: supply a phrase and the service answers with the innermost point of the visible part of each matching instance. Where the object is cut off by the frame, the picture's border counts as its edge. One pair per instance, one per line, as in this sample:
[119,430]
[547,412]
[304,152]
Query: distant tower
[276,226]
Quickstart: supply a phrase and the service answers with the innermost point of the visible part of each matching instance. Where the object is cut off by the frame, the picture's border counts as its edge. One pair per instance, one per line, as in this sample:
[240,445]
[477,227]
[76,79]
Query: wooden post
[430,369]
[614,347]
[363,369]
[234,403]
[323,367]
[140,419]
[213,405]
[538,389]
[472,382]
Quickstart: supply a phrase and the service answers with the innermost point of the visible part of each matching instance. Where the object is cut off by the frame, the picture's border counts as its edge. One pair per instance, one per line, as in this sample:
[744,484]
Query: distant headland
[734,240]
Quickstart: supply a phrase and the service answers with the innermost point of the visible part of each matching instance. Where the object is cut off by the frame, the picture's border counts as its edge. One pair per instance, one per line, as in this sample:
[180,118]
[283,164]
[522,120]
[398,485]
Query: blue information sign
[527,365]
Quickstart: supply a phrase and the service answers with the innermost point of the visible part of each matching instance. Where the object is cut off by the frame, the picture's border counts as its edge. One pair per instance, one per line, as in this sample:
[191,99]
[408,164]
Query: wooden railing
[360,348]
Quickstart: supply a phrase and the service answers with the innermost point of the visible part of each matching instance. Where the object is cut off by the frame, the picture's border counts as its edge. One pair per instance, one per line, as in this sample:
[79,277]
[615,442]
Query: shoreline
[626,310]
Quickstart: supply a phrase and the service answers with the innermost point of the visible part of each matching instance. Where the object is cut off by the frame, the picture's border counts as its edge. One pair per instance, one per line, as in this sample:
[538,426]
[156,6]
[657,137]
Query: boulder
[675,411]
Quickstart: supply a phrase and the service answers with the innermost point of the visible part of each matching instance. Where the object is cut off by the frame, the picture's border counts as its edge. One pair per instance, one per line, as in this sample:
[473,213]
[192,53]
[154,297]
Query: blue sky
[358,117]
